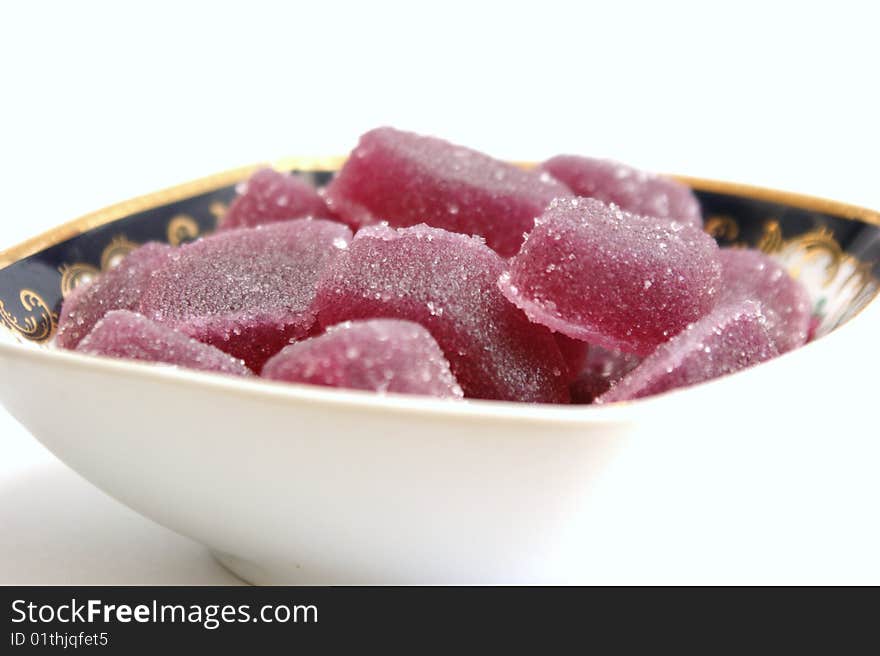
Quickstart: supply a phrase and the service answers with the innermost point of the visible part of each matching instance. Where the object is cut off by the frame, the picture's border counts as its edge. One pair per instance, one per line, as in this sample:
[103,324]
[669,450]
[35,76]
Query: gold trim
[331,163]
[790,198]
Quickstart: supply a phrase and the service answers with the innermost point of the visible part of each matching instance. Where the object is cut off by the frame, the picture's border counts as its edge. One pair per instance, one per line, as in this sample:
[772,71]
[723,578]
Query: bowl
[294,484]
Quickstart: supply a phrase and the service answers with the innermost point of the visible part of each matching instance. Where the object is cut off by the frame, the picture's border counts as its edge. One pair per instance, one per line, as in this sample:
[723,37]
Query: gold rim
[800,201]
[210,183]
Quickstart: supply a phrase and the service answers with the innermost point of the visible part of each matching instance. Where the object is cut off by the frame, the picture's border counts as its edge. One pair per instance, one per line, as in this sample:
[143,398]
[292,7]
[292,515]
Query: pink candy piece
[447,282]
[731,338]
[381,355]
[270,196]
[601,370]
[407,179]
[815,322]
[124,334]
[611,278]
[249,292]
[574,353]
[632,190]
[750,274]
[119,288]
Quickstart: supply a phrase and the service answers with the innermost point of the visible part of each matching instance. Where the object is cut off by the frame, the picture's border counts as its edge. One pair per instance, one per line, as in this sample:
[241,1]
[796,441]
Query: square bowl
[300,484]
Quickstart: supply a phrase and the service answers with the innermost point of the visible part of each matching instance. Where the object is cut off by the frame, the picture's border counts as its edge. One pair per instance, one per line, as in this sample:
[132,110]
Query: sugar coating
[733,337]
[124,334]
[407,179]
[380,355]
[249,291]
[119,288]
[630,189]
[270,196]
[601,370]
[447,283]
[611,278]
[750,274]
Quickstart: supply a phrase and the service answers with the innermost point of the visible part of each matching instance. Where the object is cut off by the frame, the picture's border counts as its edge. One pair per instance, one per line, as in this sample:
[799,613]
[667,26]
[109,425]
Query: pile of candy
[429,268]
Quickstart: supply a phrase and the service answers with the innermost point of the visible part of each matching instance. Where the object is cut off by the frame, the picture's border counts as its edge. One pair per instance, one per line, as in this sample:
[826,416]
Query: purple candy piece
[119,288]
[447,283]
[632,190]
[601,370]
[249,292]
[611,278]
[270,196]
[750,274]
[124,334]
[732,337]
[407,179]
[574,353]
[381,355]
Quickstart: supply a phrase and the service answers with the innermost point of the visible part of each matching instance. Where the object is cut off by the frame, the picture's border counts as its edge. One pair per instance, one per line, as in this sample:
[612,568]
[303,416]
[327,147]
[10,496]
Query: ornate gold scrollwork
[217,209]
[852,279]
[182,228]
[78,273]
[117,249]
[722,226]
[771,240]
[39,325]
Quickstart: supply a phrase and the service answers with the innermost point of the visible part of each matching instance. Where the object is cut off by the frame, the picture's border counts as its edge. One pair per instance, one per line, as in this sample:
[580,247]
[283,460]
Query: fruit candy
[381,355]
[611,278]
[732,337]
[447,282]
[407,179]
[270,196]
[574,353]
[249,291]
[124,334]
[750,274]
[119,288]
[601,371]
[632,190]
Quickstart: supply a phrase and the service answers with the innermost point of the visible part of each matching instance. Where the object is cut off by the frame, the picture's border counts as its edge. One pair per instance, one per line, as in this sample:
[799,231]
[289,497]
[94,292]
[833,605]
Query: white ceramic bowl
[306,485]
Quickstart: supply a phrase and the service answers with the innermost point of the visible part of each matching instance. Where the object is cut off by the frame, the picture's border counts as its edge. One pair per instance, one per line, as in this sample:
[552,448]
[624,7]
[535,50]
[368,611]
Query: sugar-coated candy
[407,179]
[574,353]
[447,282]
[601,370]
[750,274]
[731,338]
[270,196]
[602,275]
[630,189]
[813,330]
[381,355]
[119,288]
[249,292]
[124,334]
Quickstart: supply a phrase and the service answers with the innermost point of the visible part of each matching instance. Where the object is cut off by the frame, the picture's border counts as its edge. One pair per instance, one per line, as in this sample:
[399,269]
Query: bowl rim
[215,181]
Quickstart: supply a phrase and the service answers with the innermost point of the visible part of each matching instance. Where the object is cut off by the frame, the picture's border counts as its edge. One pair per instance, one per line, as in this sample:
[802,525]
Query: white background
[102,101]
